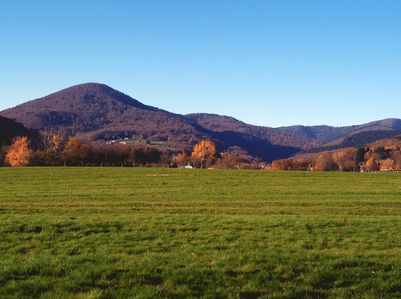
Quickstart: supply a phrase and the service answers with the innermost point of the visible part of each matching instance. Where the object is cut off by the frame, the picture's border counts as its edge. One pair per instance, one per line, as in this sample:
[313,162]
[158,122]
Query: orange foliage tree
[74,151]
[396,156]
[282,164]
[181,159]
[54,143]
[345,159]
[371,164]
[19,153]
[387,165]
[300,164]
[204,152]
[236,158]
[325,162]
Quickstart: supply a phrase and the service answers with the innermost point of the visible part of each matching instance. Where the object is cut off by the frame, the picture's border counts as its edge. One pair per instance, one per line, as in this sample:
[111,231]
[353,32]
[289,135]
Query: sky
[270,63]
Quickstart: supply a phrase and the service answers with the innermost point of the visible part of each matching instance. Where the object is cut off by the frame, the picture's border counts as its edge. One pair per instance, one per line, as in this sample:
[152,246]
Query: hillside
[358,139]
[221,123]
[386,139]
[9,129]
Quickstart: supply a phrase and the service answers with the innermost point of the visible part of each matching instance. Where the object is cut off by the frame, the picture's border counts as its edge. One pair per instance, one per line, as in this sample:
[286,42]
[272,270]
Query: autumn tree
[325,162]
[369,154]
[204,152]
[386,165]
[345,159]
[300,164]
[54,143]
[371,164]
[181,159]
[283,164]
[396,156]
[74,152]
[236,158]
[18,153]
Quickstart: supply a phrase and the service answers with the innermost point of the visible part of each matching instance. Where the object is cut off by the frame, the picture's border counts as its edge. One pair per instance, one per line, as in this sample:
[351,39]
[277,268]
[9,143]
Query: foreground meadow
[175,233]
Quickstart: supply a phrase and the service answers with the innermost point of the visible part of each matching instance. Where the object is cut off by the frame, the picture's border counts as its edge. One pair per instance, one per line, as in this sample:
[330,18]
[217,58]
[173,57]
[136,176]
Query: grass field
[146,233]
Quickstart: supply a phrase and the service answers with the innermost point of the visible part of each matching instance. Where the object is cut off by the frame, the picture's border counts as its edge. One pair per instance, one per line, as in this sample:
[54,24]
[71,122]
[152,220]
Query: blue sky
[265,62]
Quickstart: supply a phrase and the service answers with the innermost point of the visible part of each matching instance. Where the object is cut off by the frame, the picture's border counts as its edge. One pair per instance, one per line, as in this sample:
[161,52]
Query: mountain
[98,112]
[9,129]
[102,113]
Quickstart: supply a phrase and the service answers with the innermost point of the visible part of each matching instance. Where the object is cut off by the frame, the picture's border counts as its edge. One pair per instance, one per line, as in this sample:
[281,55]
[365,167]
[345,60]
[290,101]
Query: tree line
[56,149]
[365,158]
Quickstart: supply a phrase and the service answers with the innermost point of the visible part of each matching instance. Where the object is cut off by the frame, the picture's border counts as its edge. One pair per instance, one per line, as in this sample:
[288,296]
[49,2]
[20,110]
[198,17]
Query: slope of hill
[367,132]
[392,141]
[9,129]
[275,136]
[358,139]
[336,135]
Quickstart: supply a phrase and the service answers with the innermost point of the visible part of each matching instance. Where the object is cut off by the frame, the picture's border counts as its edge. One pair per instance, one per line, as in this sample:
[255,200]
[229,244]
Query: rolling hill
[98,112]
[305,137]
[219,123]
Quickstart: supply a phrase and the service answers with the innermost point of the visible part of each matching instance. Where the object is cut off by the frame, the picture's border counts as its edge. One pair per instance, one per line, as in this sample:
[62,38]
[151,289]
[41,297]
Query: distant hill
[9,129]
[386,138]
[221,123]
[98,112]
[358,139]
[312,138]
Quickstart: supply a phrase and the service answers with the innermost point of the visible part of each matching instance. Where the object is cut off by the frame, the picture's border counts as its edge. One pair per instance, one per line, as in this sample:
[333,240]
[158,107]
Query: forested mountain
[98,112]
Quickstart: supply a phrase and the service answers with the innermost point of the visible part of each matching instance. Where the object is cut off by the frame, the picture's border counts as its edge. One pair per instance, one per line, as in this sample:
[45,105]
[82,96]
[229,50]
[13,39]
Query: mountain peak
[89,87]
[90,90]
[81,107]
[80,95]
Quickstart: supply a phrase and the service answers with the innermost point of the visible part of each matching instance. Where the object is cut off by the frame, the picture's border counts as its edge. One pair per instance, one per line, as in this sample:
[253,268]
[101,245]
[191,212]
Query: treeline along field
[175,233]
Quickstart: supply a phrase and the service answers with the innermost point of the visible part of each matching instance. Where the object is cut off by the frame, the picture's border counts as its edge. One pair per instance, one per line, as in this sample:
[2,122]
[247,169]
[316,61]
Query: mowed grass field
[175,233]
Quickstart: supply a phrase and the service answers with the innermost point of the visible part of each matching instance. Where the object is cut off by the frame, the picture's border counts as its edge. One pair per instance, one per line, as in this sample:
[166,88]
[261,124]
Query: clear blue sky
[265,62]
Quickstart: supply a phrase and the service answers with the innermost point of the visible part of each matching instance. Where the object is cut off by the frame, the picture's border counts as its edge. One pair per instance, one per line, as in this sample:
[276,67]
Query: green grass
[178,233]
